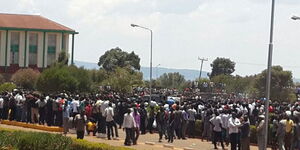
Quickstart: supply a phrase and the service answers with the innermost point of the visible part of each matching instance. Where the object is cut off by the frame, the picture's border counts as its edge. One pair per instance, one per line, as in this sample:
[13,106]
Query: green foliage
[7,87]
[172,80]
[85,145]
[281,84]
[222,66]
[34,140]
[60,77]
[123,79]
[25,78]
[21,140]
[63,58]
[115,58]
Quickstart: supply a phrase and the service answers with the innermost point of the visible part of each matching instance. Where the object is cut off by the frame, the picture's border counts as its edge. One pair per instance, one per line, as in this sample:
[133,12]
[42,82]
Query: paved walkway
[195,144]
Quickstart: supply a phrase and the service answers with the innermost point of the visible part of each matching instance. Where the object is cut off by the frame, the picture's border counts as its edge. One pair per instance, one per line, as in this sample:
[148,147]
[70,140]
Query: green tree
[171,80]
[281,84]
[60,77]
[26,78]
[7,86]
[63,58]
[222,66]
[115,58]
[123,80]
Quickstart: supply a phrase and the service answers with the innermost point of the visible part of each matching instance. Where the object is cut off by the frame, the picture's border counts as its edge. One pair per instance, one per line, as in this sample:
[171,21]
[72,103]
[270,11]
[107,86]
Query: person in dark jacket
[178,122]
[161,122]
[245,134]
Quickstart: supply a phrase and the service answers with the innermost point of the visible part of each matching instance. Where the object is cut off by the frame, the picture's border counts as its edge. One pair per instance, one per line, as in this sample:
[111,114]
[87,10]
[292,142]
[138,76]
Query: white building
[31,41]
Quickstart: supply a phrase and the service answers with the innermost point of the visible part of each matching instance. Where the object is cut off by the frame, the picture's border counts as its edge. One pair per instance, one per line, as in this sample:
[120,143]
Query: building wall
[40,48]
[2,47]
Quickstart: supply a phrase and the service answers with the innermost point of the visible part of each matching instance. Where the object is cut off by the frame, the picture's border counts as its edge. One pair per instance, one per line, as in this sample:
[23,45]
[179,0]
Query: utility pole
[202,60]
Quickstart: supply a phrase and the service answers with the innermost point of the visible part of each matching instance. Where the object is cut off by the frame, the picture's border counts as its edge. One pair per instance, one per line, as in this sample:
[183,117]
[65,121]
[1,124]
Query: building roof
[31,23]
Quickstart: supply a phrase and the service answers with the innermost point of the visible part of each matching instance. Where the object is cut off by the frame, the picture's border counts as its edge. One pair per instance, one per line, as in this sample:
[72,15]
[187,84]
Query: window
[33,47]
[51,49]
[14,47]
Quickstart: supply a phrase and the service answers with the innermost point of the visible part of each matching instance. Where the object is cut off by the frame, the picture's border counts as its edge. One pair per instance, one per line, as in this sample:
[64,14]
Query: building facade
[32,41]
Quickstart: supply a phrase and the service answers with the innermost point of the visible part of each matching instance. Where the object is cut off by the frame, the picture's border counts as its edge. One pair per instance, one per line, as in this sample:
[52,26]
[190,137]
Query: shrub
[7,87]
[26,78]
[21,140]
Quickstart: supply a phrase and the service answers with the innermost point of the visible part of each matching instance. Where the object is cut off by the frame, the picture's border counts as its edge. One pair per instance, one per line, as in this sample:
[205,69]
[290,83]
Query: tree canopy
[222,66]
[115,58]
[26,78]
[281,83]
[171,80]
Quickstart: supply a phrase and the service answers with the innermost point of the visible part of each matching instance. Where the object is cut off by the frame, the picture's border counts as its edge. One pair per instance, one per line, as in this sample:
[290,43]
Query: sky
[183,30]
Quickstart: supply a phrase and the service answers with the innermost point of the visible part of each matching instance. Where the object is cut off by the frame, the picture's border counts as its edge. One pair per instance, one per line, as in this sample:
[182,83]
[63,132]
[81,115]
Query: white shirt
[1,103]
[75,105]
[234,125]
[128,121]
[225,118]
[103,106]
[217,122]
[109,114]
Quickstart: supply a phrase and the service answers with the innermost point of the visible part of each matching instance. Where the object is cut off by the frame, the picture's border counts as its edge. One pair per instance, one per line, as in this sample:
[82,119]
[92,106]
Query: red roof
[21,21]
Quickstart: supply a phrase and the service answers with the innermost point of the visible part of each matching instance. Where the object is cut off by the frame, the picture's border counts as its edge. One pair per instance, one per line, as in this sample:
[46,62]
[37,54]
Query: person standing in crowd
[1,107]
[260,132]
[288,133]
[151,119]
[12,107]
[49,111]
[5,106]
[177,122]
[80,121]
[171,126]
[217,130]
[225,117]
[60,102]
[143,113]
[191,122]
[109,118]
[245,134]
[42,111]
[34,109]
[280,133]
[66,116]
[75,106]
[137,119]
[297,134]
[233,125]
[184,123]
[128,126]
[161,123]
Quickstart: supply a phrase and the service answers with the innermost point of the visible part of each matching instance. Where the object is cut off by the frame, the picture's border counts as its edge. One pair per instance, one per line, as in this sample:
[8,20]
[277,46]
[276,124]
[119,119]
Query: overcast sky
[183,30]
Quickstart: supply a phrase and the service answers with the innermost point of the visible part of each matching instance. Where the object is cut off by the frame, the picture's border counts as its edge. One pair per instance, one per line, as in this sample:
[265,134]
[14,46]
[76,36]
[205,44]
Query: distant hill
[188,74]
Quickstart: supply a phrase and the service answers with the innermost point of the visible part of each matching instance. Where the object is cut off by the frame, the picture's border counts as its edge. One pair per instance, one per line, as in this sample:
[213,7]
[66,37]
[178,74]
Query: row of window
[33,48]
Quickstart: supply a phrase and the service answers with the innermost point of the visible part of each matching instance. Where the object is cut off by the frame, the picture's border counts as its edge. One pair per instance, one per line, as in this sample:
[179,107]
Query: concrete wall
[39,49]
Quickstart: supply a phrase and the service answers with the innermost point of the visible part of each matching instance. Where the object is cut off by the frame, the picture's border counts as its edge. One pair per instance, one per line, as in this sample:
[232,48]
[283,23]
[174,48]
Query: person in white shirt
[74,106]
[1,107]
[233,125]
[129,125]
[216,121]
[109,118]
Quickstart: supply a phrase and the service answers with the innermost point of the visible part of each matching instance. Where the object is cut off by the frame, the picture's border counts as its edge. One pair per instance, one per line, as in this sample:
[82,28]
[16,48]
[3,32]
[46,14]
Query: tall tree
[117,58]
[171,80]
[222,66]
[26,78]
[281,84]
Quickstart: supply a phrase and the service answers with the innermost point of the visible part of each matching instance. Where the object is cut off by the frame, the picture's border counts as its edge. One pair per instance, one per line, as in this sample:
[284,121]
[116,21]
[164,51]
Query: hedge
[21,140]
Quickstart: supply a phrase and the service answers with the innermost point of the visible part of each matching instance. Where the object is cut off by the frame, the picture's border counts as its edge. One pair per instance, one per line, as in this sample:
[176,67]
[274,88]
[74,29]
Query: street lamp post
[156,70]
[151,33]
[268,83]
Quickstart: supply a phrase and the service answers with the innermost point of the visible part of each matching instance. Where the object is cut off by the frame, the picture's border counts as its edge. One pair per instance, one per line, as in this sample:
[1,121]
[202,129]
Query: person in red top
[88,110]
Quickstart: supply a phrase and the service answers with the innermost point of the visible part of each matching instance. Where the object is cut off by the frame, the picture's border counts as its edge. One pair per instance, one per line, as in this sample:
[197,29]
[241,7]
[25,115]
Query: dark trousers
[150,125]
[80,134]
[137,134]
[178,132]
[129,136]
[233,141]
[5,113]
[170,134]
[49,118]
[18,113]
[59,118]
[1,113]
[12,113]
[42,115]
[102,126]
[218,137]
[109,126]
[143,126]
[191,129]
[161,130]
[116,128]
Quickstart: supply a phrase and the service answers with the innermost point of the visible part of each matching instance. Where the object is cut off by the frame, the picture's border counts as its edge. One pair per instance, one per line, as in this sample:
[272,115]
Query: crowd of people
[223,121]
